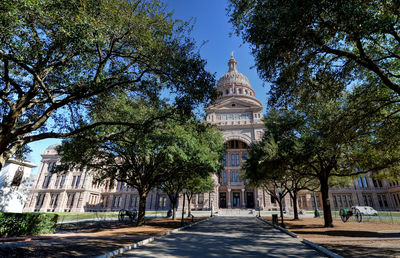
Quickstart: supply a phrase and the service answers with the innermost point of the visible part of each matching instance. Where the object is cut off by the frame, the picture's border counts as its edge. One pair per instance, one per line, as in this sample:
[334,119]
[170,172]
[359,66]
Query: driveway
[226,237]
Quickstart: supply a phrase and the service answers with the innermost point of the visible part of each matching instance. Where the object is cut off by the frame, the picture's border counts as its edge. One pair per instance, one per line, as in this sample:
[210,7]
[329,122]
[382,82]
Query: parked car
[366,210]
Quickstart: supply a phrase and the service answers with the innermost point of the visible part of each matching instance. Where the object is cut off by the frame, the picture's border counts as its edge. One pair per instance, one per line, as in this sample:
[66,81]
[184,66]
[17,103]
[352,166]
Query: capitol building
[238,114]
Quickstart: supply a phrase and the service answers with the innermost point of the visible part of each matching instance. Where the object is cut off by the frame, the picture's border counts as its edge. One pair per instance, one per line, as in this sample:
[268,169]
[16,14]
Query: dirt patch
[90,241]
[350,239]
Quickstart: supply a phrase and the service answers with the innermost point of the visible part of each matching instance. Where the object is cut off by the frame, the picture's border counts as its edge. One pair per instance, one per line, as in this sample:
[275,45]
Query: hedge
[26,224]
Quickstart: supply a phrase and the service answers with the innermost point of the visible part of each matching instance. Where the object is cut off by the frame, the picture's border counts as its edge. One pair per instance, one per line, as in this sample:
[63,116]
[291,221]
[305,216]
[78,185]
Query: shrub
[25,224]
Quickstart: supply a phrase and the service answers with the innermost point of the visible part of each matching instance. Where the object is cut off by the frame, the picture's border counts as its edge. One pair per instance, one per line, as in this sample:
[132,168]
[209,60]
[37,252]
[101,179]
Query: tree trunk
[189,198]
[142,208]
[328,222]
[173,210]
[295,210]
[173,198]
[281,210]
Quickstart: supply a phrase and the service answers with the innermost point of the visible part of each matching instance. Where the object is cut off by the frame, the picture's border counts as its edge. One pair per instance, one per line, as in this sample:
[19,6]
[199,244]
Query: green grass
[389,213]
[68,216]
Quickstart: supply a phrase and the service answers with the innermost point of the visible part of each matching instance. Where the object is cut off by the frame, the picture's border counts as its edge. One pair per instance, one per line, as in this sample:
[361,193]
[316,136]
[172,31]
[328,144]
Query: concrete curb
[319,248]
[145,241]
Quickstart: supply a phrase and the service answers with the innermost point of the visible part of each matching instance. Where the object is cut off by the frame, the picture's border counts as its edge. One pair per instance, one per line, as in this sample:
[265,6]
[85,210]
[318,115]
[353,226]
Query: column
[228,198]
[243,200]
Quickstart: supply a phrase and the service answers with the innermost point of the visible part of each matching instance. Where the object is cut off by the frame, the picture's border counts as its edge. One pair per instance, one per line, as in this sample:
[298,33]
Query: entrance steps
[236,212]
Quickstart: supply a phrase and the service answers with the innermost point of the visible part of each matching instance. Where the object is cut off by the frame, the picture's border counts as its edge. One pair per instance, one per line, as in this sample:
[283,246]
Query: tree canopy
[320,141]
[162,147]
[56,56]
[293,40]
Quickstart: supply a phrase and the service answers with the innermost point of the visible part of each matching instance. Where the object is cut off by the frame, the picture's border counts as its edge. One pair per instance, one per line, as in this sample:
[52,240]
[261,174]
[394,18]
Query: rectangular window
[44,182]
[56,201]
[232,176]
[224,160]
[350,200]
[62,181]
[243,116]
[224,174]
[335,205]
[237,177]
[380,201]
[360,182]
[73,181]
[78,180]
[70,202]
[57,180]
[365,200]
[365,183]
[233,159]
[48,181]
[385,203]
[237,160]
[38,199]
[237,117]
[224,117]
[231,117]
[272,199]
[201,199]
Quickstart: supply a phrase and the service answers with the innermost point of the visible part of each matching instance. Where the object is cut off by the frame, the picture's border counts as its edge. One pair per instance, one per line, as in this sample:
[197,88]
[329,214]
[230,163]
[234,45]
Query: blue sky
[211,26]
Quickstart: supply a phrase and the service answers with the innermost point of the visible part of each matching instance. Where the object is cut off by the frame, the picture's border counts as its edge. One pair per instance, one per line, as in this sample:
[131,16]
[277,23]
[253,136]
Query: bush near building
[23,224]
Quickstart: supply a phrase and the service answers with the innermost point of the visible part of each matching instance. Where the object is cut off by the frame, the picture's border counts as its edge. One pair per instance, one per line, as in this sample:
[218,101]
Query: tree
[193,173]
[56,56]
[143,157]
[291,40]
[261,170]
[198,185]
[294,183]
[319,141]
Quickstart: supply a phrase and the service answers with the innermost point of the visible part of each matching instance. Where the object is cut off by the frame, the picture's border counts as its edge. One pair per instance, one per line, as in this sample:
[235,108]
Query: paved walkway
[226,237]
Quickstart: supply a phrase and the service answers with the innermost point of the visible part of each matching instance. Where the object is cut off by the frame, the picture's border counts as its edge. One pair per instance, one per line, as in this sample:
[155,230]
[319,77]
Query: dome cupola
[233,82]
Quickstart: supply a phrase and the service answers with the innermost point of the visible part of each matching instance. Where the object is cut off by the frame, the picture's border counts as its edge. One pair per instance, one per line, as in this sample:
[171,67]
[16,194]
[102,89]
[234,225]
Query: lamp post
[183,207]
[212,207]
[259,206]
[281,208]
[316,211]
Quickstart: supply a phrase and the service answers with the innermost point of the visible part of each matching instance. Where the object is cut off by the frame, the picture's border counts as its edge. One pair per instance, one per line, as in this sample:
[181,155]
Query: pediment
[234,103]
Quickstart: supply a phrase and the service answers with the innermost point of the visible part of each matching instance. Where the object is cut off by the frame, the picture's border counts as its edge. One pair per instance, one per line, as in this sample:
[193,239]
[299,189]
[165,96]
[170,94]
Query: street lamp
[211,208]
[279,191]
[259,207]
[316,211]
[183,207]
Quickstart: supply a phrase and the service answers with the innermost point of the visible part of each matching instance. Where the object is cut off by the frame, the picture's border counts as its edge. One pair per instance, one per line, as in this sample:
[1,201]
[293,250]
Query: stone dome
[233,76]
[53,147]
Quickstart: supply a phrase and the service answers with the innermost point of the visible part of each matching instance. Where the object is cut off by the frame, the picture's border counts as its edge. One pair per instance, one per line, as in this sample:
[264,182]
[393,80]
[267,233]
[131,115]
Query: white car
[365,210]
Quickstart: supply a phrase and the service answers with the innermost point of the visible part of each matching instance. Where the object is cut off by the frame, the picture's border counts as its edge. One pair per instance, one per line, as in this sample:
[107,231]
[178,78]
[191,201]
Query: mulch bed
[89,241]
[350,239]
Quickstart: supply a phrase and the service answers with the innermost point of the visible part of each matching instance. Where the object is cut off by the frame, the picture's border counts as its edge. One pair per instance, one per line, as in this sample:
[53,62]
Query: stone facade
[75,191]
